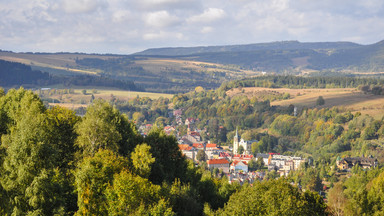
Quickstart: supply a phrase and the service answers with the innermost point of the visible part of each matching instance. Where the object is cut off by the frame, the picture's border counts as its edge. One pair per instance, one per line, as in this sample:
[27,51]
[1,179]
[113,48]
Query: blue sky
[128,26]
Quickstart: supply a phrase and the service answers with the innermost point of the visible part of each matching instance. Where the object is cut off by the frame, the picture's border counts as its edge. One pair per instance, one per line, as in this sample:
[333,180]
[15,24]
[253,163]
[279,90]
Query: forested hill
[17,74]
[291,56]
[283,45]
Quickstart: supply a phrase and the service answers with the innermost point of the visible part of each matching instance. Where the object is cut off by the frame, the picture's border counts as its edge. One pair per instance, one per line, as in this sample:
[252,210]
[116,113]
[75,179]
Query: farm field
[77,99]
[349,98]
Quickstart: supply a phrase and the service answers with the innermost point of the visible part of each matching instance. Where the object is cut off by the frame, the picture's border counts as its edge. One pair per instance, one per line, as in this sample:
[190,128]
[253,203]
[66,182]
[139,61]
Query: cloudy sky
[128,26]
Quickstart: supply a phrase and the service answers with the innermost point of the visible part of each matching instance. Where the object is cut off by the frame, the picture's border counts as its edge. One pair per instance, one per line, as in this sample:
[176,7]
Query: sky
[128,26]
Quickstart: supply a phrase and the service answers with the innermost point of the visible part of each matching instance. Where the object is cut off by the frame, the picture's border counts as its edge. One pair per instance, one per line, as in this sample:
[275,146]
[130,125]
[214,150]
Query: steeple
[236,142]
[237,135]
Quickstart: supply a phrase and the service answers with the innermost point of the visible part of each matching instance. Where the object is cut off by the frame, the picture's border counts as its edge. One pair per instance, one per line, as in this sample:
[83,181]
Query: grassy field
[78,99]
[349,98]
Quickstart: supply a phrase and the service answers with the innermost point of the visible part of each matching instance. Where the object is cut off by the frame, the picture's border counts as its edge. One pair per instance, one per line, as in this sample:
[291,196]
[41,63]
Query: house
[169,130]
[177,112]
[198,146]
[189,121]
[237,166]
[349,162]
[188,151]
[211,146]
[244,158]
[222,164]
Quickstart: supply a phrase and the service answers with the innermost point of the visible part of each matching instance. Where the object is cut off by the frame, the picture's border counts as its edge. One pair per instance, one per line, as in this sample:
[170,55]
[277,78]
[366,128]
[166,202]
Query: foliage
[92,177]
[320,101]
[273,197]
[200,156]
[142,160]
[104,127]
[170,163]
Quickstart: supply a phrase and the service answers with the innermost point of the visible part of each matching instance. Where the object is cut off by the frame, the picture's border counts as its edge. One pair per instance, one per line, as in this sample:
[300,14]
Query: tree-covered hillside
[53,162]
[16,74]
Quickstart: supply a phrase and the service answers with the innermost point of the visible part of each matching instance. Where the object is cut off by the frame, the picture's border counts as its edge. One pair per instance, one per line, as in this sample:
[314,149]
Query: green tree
[84,91]
[200,156]
[31,159]
[170,163]
[142,160]
[240,150]
[273,197]
[92,178]
[103,127]
[320,101]
[134,195]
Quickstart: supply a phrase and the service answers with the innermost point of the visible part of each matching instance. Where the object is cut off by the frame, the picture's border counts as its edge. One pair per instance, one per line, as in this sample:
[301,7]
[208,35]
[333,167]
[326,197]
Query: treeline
[301,82]
[17,74]
[12,73]
[53,162]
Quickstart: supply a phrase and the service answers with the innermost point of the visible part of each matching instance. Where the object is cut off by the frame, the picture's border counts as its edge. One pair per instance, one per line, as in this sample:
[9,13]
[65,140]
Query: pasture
[349,98]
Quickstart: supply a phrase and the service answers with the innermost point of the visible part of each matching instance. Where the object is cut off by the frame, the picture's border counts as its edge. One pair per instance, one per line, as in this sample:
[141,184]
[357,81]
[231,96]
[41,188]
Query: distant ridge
[282,45]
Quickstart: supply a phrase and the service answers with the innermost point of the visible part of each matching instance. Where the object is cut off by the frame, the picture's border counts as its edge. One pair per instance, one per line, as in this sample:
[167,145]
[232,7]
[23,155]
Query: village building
[169,130]
[238,166]
[349,162]
[222,164]
[189,151]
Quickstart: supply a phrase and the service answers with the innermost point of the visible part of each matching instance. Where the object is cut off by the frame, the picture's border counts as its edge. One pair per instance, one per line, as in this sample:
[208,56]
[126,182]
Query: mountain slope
[283,45]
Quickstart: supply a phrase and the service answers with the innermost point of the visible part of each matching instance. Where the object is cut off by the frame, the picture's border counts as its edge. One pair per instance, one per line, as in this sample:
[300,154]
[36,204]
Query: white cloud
[209,15]
[121,25]
[161,19]
[82,6]
[206,29]
[163,35]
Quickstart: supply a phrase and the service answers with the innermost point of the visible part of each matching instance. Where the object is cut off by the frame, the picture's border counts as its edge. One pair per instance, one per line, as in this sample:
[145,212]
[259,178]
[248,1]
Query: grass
[78,99]
[348,98]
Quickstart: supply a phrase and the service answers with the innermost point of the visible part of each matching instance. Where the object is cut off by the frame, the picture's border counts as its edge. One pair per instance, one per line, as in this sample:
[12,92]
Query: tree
[142,160]
[200,156]
[240,150]
[170,163]
[84,91]
[337,199]
[134,195]
[92,178]
[103,127]
[273,197]
[30,161]
[320,101]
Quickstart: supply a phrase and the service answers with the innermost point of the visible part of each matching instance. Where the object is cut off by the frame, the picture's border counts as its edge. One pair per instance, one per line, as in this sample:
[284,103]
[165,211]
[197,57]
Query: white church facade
[246,145]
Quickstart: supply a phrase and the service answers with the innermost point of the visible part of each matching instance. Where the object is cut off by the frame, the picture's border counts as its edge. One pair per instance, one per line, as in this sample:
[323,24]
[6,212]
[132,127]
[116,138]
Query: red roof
[197,145]
[211,145]
[234,163]
[217,161]
[184,147]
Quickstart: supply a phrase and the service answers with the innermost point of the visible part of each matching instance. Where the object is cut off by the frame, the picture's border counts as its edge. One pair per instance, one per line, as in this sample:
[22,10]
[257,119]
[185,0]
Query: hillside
[289,56]
[179,70]
[283,45]
[167,75]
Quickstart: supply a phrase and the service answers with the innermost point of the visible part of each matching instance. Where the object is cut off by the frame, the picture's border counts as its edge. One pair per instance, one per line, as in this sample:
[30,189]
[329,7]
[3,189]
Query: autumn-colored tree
[142,160]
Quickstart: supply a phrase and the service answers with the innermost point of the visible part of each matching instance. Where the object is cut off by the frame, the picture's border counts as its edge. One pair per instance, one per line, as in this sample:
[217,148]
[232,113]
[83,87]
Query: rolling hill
[176,70]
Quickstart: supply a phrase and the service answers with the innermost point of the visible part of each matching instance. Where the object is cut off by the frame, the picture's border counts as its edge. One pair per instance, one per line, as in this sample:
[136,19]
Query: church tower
[236,142]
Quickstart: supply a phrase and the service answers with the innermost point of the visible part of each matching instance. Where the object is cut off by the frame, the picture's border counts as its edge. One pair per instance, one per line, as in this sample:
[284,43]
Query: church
[246,145]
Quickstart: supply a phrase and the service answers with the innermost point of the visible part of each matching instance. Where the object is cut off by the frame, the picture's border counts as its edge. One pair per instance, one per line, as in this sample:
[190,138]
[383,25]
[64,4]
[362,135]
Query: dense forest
[53,162]
[300,82]
[16,74]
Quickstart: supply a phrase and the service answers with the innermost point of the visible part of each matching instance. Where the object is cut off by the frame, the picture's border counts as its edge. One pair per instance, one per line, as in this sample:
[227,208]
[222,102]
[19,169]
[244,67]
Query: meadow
[349,98]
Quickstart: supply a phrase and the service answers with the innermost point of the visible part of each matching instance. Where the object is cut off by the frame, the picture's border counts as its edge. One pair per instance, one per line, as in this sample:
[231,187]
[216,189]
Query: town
[237,161]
